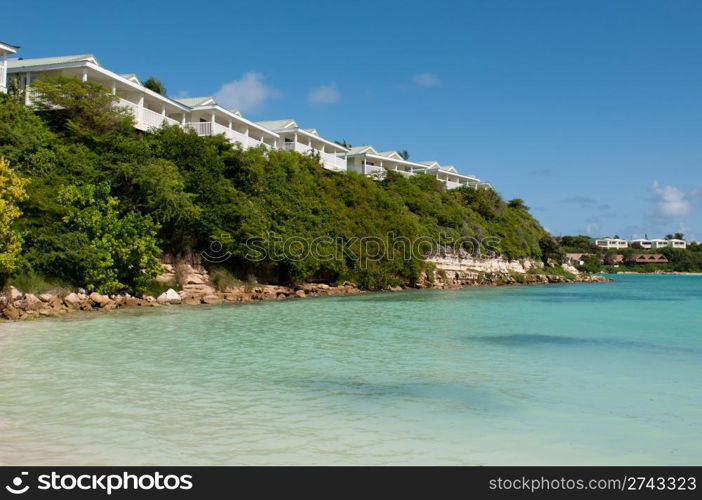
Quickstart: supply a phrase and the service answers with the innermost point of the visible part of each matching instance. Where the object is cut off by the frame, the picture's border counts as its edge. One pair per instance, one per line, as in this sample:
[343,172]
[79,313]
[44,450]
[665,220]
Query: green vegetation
[11,193]
[553,271]
[103,201]
[153,83]
[602,259]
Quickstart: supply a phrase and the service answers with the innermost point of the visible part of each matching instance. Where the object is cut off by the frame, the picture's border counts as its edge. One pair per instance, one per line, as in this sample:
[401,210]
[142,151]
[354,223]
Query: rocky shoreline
[198,289]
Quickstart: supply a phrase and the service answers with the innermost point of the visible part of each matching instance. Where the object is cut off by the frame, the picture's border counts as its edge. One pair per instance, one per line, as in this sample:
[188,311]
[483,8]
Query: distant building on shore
[611,243]
[648,258]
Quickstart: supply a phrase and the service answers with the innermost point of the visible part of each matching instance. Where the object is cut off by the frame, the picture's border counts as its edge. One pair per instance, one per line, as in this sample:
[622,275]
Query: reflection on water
[578,374]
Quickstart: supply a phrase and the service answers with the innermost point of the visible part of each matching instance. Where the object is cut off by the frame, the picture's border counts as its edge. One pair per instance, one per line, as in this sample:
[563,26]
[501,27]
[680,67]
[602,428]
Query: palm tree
[153,83]
[344,144]
[404,153]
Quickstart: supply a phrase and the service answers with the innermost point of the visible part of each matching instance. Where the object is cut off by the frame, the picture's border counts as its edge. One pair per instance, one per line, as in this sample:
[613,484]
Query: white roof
[288,125]
[6,48]
[47,61]
[194,102]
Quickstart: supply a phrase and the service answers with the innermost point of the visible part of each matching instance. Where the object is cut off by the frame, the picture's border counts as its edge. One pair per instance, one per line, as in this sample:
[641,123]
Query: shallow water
[561,374]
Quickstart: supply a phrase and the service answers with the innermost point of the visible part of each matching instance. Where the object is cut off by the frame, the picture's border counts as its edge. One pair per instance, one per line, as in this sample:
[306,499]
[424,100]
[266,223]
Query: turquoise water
[561,374]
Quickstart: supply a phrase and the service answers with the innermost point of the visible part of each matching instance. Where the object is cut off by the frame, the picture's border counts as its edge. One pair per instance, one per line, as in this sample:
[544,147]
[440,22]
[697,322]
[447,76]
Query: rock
[46,297]
[72,300]
[11,313]
[14,294]
[31,302]
[81,291]
[149,298]
[300,293]
[170,296]
[194,279]
[99,300]
[201,289]
[211,299]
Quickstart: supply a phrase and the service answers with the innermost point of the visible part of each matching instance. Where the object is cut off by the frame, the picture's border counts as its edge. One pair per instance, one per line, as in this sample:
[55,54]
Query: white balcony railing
[3,76]
[146,118]
[295,146]
[333,162]
[214,128]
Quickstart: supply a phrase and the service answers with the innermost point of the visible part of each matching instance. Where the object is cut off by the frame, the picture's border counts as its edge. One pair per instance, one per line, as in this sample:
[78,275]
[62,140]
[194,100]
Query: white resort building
[308,140]
[206,117]
[658,243]
[366,160]
[611,243]
[5,50]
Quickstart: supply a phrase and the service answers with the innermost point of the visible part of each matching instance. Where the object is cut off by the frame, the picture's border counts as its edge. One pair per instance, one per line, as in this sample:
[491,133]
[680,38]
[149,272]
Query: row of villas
[640,243]
[206,117]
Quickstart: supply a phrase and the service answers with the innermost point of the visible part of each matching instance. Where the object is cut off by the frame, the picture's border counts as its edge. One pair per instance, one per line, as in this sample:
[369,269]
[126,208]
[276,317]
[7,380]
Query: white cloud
[426,80]
[671,201]
[246,94]
[324,94]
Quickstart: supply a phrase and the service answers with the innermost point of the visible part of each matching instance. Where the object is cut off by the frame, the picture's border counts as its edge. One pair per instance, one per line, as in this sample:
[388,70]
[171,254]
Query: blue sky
[591,111]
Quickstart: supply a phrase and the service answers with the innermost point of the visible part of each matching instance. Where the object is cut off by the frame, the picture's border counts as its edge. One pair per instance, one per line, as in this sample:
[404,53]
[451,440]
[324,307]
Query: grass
[33,282]
[553,271]
[223,279]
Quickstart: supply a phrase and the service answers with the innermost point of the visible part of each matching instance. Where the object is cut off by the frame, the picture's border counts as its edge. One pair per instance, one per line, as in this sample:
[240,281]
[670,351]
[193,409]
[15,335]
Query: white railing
[333,162]
[201,128]
[3,76]
[453,185]
[152,119]
[374,171]
[214,128]
[145,118]
[295,146]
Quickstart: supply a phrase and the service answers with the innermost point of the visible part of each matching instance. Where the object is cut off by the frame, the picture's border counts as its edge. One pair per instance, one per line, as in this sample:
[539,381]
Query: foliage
[153,83]
[591,264]
[105,201]
[86,109]
[550,250]
[11,193]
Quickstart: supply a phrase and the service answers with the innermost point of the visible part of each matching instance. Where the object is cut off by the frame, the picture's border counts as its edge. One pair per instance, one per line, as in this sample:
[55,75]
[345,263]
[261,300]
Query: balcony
[333,162]
[295,146]
[213,128]
[144,117]
[3,76]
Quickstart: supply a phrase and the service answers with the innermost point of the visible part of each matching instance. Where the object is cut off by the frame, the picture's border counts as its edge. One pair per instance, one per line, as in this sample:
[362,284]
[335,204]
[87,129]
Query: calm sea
[560,374]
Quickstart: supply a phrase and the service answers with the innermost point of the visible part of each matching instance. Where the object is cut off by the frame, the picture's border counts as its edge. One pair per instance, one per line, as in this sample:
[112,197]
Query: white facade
[659,243]
[367,161]
[674,243]
[308,141]
[643,243]
[611,243]
[5,50]
[207,118]
[150,109]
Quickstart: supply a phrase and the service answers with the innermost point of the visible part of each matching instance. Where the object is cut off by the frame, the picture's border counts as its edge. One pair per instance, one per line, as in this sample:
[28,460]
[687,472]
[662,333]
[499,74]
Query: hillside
[104,201]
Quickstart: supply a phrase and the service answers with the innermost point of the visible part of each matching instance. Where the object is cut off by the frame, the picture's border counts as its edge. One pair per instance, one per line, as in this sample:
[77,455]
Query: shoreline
[18,306]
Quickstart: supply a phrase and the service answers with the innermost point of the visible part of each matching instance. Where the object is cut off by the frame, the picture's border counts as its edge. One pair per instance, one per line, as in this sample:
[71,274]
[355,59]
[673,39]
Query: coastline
[17,306]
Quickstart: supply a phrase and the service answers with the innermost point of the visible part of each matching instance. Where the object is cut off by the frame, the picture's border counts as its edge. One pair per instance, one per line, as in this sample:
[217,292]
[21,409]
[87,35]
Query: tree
[551,250]
[404,153]
[153,83]
[11,192]
[517,203]
[676,236]
[344,144]
[87,109]
[120,250]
